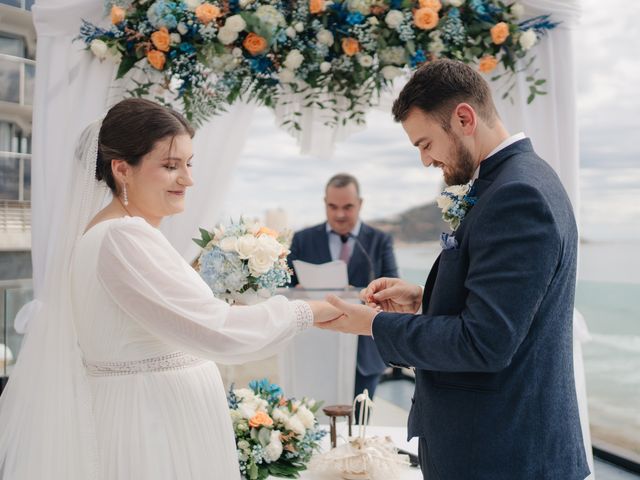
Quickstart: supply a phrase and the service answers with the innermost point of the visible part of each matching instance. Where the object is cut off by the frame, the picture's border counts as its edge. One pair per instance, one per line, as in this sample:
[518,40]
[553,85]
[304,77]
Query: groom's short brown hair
[438,86]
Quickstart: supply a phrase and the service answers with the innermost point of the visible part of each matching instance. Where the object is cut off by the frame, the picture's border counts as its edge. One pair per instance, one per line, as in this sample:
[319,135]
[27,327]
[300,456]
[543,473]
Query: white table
[397,434]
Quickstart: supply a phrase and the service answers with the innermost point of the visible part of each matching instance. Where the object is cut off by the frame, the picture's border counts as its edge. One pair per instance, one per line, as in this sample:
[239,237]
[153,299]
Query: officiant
[367,251]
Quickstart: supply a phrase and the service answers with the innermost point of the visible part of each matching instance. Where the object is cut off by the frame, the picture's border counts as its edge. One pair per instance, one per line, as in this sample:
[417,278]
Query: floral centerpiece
[274,435]
[244,261]
[336,55]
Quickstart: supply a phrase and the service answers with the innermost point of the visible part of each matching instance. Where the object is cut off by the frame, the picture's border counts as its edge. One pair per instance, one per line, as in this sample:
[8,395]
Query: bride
[116,379]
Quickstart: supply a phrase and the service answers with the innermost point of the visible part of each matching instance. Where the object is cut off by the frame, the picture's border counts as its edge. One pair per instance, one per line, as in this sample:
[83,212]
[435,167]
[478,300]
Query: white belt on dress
[171,361]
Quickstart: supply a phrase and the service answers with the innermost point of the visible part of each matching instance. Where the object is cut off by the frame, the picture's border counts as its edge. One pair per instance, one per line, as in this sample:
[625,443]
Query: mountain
[418,224]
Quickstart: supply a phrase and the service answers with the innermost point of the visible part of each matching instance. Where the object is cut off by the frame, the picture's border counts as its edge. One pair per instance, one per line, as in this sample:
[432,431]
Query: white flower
[325,67]
[291,32]
[306,417]
[228,244]
[444,202]
[393,56]
[271,17]
[517,10]
[246,245]
[175,38]
[244,393]
[373,20]
[528,39]
[299,27]
[192,4]
[325,37]
[362,6]
[365,60]
[454,3]
[245,3]
[270,245]
[394,18]
[235,23]
[227,36]
[236,52]
[295,425]
[247,410]
[436,46]
[182,28]
[273,451]
[280,415]
[286,76]
[390,72]
[294,60]
[175,84]
[458,190]
[260,263]
[99,49]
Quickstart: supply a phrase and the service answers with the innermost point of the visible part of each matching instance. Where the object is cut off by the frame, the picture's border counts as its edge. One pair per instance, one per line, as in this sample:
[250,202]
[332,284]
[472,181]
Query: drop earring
[125,198]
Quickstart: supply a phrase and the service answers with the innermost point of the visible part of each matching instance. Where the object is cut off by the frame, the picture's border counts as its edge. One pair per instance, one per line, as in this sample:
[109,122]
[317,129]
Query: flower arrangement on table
[243,262]
[336,54]
[274,435]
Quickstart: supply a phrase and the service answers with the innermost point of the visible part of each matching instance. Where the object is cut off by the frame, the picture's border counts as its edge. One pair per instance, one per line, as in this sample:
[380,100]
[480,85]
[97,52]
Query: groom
[492,349]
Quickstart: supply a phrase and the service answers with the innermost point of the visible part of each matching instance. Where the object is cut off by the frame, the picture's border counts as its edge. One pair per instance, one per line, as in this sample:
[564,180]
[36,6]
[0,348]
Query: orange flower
[254,44]
[260,419]
[161,39]
[488,63]
[425,18]
[117,15]
[434,5]
[156,59]
[207,12]
[316,6]
[350,46]
[499,33]
[267,231]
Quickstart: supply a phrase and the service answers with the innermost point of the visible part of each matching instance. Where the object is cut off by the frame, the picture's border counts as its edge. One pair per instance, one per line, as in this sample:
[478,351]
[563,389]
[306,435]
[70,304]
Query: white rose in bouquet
[325,37]
[295,425]
[517,10]
[306,417]
[294,60]
[99,49]
[394,18]
[390,72]
[280,415]
[246,246]
[227,36]
[260,263]
[325,67]
[271,246]
[528,39]
[235,23]
[228,244]
[274,449]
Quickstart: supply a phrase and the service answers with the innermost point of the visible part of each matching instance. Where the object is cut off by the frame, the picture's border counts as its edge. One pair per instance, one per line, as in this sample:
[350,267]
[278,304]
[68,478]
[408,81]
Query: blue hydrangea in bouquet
[244,262]
[274,435]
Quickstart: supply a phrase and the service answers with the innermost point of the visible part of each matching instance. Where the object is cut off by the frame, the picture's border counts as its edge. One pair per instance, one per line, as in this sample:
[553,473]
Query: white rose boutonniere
[455,202]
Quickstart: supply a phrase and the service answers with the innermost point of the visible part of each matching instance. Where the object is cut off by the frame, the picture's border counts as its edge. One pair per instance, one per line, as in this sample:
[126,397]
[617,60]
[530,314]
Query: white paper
[331,275]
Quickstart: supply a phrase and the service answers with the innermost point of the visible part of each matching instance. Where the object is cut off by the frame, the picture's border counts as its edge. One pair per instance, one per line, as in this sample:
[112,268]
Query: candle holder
[333,412]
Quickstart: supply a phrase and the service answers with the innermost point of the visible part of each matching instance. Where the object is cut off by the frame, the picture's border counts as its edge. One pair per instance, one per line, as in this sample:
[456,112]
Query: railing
[15,176]
[18,78]
[13,295]
[22,4]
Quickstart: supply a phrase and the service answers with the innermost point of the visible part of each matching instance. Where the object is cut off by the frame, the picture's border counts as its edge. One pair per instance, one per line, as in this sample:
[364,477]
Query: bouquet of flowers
[334,54]
[274,435]
[243,261]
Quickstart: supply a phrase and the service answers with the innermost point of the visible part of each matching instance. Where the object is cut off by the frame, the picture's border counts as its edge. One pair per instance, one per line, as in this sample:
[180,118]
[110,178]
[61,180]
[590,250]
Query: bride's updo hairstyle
[130,130]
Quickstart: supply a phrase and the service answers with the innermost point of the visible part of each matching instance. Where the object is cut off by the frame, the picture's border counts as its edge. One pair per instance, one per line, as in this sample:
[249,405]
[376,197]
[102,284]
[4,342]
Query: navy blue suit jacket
[312,245]
[495,397]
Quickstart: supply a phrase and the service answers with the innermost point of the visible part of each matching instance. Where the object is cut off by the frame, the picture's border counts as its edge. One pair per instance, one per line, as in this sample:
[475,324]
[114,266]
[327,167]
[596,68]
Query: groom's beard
[462,172]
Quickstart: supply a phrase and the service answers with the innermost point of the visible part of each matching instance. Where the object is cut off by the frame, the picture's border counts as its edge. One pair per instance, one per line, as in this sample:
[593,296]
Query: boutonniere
[455,202]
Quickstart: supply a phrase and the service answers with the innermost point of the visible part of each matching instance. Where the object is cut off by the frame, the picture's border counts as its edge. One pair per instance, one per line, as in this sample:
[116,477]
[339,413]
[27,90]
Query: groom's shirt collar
[509,141]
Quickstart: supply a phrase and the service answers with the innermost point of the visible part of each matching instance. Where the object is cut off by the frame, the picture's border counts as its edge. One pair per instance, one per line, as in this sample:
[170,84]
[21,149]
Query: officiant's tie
[345,251]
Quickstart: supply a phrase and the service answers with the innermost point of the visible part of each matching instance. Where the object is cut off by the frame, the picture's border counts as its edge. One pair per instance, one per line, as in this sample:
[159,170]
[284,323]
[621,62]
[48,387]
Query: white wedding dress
[150,331]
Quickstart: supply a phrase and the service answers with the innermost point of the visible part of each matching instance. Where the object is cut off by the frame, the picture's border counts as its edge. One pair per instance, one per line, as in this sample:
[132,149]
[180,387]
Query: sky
[393,179]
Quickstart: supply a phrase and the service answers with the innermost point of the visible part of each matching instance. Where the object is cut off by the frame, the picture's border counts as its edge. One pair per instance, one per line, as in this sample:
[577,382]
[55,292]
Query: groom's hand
[392,295]
[356,319]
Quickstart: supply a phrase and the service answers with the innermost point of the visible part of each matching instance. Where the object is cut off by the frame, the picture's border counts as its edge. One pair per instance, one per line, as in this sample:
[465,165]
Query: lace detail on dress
[303,315]
[171,361]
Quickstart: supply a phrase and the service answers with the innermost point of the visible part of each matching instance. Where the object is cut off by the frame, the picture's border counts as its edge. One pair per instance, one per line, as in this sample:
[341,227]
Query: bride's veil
[46,423]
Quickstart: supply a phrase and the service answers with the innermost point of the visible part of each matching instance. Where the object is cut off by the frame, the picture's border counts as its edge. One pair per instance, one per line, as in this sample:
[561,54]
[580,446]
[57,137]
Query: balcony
[17,82]
[15,201]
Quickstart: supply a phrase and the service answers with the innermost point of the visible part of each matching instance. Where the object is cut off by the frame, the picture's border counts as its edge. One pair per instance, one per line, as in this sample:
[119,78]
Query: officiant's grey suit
[495,397]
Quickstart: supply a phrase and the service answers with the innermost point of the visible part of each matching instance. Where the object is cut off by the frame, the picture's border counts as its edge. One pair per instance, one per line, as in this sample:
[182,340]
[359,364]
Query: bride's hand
[323,311]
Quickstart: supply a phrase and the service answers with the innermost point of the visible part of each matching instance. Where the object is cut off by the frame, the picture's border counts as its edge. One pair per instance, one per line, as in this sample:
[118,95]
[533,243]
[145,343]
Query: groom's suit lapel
[489,170]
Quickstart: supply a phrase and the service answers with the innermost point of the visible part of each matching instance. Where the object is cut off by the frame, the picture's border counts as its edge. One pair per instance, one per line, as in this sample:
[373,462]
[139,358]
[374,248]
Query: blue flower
[355,18]
[160,14]
[418,58]
[187,48]
[260,64]
[396,4]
